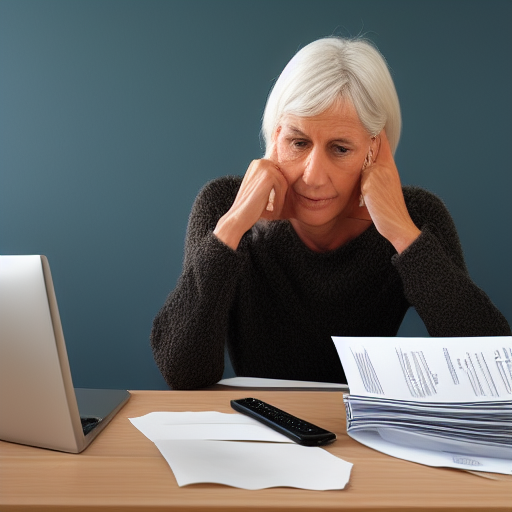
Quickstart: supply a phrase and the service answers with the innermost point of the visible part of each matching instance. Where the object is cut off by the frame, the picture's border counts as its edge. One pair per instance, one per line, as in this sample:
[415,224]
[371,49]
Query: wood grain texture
[122,470]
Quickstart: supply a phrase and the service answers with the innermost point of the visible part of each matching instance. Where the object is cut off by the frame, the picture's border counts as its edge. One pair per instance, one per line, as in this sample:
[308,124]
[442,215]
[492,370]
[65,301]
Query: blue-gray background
[114,113]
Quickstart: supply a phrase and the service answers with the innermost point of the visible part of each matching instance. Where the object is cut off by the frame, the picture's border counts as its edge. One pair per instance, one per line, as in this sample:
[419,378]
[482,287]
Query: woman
[318,239]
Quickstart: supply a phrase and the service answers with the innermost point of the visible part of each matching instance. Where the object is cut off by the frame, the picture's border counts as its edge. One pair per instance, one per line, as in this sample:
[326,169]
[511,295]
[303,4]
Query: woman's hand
[263,185]
[382,192]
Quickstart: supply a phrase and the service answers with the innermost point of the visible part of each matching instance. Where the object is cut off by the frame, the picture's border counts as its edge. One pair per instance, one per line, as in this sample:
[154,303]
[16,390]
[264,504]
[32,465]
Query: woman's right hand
[261,178]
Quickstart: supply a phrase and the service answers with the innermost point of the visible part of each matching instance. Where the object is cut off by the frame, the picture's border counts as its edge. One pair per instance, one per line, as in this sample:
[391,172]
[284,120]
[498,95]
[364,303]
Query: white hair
[326,69]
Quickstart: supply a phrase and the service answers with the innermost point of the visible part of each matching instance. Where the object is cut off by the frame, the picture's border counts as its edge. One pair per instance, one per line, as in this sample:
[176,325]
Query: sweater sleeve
[435,279]
[189,332]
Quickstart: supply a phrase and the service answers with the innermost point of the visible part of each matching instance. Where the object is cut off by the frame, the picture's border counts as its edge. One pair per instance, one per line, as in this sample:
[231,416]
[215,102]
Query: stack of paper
[438,401]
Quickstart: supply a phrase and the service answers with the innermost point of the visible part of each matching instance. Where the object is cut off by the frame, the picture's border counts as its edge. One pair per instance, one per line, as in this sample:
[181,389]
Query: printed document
[437,401]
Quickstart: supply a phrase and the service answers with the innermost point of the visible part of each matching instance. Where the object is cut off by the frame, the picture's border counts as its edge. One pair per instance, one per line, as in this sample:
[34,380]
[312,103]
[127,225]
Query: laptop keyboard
[89,424]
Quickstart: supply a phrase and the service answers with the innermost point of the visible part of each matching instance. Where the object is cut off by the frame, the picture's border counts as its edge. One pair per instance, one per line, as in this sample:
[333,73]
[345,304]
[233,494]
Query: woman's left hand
[383,197]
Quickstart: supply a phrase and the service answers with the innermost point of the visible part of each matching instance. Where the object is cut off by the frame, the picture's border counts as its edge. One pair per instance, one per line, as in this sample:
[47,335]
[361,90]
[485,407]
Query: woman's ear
[375,146]
[370,155]
[271,152]
[276,134]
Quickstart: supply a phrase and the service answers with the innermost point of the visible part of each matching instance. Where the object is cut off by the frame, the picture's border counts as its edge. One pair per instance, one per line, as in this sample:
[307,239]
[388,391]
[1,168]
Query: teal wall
[113,113]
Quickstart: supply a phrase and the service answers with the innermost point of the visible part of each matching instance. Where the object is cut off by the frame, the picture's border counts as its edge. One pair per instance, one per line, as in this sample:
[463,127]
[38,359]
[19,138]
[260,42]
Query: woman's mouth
[314,203]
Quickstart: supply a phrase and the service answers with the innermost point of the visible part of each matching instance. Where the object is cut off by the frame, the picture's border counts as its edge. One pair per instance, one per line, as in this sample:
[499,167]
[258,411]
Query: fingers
[271,197]
[260,196]
[271,154]
[262,192]
[383,197]
[383,160]
[276,196]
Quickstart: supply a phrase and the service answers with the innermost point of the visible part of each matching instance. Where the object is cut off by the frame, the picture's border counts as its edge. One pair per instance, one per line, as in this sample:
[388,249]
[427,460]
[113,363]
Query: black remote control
[300,431]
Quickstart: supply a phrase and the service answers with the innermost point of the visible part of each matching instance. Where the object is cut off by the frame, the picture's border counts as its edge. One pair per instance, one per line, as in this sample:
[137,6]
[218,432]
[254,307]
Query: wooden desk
[122,470]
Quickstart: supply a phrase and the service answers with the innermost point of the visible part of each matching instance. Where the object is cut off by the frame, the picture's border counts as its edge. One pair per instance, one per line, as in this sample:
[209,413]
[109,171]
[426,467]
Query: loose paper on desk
[212,447]
[258,382]
[436,401]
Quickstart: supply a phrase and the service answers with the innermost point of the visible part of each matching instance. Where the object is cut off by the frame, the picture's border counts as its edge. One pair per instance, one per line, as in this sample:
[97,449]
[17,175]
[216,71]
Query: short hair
[326,69]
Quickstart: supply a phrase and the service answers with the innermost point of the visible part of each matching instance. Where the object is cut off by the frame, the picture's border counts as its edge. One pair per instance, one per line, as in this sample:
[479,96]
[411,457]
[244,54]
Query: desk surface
[122,470]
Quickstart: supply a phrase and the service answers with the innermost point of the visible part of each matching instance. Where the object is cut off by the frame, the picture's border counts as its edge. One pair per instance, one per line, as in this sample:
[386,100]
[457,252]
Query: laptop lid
[38,404]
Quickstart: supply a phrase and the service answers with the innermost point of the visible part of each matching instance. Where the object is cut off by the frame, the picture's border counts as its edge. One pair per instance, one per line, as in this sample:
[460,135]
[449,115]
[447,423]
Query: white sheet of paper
[435,458]
[254,465]
[209,447]
[428,369]
[257,382]
[205,425]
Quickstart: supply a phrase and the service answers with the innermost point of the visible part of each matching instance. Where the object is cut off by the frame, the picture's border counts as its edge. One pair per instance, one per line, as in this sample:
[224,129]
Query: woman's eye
[299,144]
[340,149]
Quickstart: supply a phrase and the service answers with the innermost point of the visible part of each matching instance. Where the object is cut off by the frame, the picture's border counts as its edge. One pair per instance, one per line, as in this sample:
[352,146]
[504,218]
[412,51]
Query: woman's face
[321,158]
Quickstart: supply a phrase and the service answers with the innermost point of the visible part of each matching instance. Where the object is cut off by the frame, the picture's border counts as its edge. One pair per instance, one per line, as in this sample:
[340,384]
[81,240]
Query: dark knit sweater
[276,303]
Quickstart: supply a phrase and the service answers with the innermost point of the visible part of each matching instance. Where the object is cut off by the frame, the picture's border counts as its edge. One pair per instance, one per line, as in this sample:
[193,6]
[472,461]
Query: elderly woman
[318,239]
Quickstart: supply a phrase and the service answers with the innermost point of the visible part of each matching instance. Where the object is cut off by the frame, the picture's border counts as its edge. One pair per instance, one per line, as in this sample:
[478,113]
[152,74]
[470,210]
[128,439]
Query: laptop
[38,404]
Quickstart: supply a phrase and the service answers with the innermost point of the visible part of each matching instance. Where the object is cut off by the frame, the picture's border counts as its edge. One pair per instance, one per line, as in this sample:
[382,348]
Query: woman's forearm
[444,295]
[189,332]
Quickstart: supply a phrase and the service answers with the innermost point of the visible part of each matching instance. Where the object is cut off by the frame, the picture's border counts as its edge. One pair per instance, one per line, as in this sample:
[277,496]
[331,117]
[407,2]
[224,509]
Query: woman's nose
[315,170]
